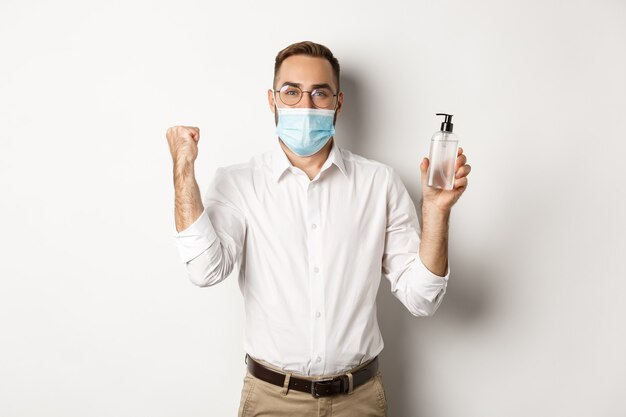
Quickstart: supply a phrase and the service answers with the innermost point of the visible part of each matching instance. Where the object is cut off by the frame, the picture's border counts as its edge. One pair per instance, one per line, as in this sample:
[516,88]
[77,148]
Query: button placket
[316,283]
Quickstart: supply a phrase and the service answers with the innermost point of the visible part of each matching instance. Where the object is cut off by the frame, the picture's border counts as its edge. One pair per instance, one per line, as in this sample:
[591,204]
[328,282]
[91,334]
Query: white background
[97,315]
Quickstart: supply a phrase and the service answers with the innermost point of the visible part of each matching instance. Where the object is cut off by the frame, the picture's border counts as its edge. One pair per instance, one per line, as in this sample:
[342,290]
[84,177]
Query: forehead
[306,70]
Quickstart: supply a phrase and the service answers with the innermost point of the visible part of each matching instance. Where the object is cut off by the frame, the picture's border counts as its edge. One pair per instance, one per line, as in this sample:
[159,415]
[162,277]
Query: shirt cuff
[430,284]
[196,238]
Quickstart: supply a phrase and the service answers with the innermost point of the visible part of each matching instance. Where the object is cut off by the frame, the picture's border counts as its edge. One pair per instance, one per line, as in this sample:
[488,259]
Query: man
[312,227]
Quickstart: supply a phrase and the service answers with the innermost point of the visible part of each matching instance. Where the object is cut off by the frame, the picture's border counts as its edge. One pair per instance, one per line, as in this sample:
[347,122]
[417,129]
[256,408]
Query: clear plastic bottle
[443,149]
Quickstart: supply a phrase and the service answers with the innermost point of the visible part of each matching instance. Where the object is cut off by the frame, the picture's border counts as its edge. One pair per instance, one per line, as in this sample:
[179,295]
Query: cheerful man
[312,228]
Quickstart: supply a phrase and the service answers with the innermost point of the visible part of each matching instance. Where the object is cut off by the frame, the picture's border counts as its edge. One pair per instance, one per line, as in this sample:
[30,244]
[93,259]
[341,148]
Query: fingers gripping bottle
[443,149]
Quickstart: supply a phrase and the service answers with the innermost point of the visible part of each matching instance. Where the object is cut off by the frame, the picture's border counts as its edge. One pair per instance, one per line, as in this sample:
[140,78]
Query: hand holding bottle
[443,199]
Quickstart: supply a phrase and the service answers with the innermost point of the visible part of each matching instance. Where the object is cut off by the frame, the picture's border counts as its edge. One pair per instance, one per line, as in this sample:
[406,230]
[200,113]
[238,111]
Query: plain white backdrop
[97,315]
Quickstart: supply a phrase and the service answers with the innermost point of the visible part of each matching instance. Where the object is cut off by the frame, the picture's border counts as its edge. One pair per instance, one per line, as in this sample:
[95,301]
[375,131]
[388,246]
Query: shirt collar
[280,162]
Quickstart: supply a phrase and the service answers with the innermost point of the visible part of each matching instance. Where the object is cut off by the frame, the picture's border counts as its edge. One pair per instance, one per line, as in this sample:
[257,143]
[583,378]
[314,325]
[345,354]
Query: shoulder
[245,171]
[367,167]
[378,174]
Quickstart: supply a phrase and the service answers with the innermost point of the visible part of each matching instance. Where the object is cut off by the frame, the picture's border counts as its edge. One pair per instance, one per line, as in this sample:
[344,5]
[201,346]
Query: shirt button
[318,314]
[313,226]
[318,359]
[316,270]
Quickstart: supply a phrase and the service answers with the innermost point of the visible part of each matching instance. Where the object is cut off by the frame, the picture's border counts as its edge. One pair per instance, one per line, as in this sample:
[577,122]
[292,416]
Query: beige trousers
[260,398]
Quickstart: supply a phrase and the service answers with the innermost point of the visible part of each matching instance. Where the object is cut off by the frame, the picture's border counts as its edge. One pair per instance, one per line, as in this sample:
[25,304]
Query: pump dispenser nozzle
[446,125]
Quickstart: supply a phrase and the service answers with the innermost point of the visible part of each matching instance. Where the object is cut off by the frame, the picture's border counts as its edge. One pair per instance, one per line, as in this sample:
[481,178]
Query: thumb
[424,169]
[424,166]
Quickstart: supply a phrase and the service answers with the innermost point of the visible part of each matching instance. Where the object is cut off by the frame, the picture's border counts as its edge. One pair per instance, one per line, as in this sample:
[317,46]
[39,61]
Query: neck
[311,165]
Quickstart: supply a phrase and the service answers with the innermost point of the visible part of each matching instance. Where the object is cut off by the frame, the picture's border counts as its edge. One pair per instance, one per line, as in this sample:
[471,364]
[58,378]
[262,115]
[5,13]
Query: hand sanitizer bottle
[443,149]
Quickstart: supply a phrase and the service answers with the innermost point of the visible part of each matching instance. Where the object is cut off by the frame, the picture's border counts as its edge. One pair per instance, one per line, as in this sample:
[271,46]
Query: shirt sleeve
[420,290]
[212,245]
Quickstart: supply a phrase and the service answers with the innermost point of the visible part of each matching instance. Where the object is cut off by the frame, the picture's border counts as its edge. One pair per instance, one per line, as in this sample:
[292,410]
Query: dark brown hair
[307,48]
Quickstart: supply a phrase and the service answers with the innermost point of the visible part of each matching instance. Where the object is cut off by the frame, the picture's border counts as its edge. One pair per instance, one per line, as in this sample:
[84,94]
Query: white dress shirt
[311,254]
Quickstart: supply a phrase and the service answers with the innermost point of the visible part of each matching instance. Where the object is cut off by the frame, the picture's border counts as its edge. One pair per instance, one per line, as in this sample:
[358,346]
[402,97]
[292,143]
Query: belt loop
[350,382]
[285,389]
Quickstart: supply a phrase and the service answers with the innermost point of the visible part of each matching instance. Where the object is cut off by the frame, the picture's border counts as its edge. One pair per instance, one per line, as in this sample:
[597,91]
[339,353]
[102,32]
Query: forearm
[188,202]
[433,250]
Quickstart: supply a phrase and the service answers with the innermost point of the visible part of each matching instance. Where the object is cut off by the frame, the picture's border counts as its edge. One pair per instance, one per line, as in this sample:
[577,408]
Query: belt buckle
[326,381]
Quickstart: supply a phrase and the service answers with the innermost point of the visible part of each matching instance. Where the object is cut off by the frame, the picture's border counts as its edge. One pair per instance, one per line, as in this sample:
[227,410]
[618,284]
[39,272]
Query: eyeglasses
[291,95]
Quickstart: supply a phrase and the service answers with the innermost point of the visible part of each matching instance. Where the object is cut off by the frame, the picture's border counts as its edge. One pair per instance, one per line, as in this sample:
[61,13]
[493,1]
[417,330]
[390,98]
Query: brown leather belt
[319,387]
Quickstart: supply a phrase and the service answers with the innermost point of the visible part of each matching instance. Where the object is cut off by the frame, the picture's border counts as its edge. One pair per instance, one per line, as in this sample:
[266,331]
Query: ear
[339,102]
[270,99]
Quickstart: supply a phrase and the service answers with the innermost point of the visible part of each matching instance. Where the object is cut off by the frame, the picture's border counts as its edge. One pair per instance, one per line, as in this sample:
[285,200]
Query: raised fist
[183,142]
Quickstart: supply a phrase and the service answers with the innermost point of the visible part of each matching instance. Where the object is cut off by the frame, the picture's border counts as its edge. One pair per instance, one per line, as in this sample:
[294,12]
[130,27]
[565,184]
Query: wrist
[434,211]
[182,165]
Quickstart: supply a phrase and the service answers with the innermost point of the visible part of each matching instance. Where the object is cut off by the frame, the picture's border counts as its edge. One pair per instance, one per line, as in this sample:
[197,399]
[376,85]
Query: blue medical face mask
[305,131]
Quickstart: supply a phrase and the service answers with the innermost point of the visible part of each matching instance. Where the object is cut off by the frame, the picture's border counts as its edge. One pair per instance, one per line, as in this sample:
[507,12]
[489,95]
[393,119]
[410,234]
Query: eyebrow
[322,85]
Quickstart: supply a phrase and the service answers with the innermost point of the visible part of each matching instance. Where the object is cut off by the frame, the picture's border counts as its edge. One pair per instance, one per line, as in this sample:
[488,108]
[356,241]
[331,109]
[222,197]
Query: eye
[290,91]
[322,93]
